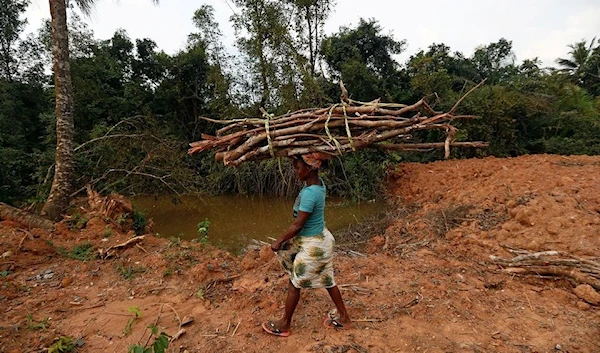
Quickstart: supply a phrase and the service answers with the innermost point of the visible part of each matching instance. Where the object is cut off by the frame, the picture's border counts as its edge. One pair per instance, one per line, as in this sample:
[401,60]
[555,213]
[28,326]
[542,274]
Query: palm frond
[85,6]
[566,63]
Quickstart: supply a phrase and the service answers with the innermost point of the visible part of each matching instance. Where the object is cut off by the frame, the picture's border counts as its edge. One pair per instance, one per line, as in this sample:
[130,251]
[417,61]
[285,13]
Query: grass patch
[63,344]
[81,252]
[130,272]
[77,222]
[37,325]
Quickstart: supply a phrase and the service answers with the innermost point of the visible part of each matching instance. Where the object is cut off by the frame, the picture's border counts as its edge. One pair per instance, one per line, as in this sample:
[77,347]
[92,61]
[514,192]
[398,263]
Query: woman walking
[306,248]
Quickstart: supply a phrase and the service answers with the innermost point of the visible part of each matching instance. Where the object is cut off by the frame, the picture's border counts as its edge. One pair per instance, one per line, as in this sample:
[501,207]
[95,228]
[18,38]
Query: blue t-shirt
[311,199]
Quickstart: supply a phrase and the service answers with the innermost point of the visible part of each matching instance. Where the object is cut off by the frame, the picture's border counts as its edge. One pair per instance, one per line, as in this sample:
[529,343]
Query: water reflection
[234,220]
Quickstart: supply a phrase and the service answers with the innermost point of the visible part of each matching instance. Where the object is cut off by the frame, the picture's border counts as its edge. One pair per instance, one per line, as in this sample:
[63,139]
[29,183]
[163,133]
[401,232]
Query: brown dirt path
[450,217]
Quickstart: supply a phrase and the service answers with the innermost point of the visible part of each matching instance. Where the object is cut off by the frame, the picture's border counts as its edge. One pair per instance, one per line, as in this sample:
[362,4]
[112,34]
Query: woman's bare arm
[292,231]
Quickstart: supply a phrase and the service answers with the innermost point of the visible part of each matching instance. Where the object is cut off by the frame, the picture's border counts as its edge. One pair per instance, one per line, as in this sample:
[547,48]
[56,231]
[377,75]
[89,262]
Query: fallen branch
[573,274]
[552,263]
[367,320]
[105,254]
[221,280]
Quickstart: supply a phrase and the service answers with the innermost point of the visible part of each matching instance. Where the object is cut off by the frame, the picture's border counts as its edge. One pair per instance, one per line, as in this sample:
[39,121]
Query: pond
[235,220]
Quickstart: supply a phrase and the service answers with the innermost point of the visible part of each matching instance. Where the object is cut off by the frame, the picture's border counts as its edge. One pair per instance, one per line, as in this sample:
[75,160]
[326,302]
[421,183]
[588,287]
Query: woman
[306,248]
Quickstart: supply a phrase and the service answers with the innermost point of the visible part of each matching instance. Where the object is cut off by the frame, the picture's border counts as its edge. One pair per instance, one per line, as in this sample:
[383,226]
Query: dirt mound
[428,283]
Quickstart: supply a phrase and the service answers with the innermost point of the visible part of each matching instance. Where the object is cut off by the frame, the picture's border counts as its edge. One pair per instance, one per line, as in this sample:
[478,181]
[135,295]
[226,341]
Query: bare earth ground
[450,217]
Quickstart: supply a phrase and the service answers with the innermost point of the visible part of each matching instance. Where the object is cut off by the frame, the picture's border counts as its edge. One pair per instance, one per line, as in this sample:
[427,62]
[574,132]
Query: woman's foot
[277,328]
[338,323]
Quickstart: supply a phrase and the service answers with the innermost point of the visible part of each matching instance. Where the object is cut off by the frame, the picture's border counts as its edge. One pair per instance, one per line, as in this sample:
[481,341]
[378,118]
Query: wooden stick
[139,246]
[91,320]
[367,320]
[22,240]
[155,323]
[465,96]
[236,328]
[127,243]
[552,271]
[403,146]
[177,335]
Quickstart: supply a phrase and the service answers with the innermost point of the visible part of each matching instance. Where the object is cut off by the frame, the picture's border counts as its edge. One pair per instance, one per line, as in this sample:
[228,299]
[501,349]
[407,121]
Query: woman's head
[309,164]
[303,170]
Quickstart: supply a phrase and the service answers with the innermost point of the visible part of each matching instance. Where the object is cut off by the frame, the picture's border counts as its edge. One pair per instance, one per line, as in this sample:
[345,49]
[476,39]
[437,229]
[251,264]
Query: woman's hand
[276,246]
[292,231]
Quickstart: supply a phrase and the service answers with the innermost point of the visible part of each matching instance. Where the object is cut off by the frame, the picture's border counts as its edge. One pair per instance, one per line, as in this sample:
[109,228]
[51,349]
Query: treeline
[137,108]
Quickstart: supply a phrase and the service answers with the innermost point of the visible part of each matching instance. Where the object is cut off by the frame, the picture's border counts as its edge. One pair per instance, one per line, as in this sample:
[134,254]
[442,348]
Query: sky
[537,28]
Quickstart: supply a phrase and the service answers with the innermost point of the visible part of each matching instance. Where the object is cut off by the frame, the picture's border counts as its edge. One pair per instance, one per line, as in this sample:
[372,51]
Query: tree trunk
[59,193]
[310,42]
[17,215]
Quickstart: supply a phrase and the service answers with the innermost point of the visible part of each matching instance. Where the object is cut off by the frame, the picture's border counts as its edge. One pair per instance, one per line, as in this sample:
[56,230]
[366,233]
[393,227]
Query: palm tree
[578,65]
[58,200]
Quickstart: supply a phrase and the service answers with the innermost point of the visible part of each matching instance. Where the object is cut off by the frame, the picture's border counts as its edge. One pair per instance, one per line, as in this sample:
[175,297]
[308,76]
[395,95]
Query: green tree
[578,65]
[495,61]
[270,53]
[429,71]
[363,58]
[58,199]
[11,26]
[21,137]
[218,79]
[310,17]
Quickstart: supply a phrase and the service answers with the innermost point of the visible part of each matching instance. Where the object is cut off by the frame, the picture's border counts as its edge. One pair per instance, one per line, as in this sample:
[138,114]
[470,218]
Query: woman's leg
[290,306]
[336,296]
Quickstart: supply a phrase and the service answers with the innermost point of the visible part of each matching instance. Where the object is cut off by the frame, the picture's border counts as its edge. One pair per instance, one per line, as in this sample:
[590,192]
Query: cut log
[25,218]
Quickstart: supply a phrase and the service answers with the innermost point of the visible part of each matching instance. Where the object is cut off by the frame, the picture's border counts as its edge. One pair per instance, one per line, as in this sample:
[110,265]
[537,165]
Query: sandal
[270,328]
[333,323]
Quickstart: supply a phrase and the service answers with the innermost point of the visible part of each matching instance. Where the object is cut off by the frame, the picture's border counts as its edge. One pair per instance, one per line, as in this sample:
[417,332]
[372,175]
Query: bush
[139,222]
[202,231]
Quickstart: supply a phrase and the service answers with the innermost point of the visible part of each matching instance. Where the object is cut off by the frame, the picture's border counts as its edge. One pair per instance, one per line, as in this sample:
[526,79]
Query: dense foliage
[136,107]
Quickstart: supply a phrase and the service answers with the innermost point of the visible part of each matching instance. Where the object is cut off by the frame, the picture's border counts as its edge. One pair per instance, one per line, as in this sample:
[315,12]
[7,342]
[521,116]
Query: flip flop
[333,323]
[270,328]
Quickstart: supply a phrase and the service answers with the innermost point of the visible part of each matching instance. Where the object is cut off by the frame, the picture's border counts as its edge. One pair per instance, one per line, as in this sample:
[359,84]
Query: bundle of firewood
[341,128]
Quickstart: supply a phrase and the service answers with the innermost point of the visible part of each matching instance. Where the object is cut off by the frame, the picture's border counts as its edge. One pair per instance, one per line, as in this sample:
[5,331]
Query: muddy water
[235,220]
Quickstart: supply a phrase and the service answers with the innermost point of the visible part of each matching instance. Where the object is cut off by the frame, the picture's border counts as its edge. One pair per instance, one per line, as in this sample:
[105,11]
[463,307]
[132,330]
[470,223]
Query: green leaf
[136,349]
[135,311]
[161,343]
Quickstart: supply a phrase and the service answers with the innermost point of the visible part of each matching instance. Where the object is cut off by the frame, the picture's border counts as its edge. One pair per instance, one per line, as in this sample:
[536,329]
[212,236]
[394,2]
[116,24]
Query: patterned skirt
[309,260]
